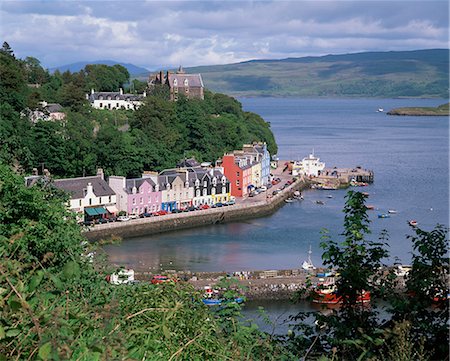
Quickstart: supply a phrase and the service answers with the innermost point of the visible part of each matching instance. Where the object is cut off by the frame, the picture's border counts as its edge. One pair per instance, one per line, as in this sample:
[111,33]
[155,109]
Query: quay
[343,177]
[251,207]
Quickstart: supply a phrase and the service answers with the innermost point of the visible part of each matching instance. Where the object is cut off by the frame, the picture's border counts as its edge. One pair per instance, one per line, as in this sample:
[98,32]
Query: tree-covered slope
[420,73]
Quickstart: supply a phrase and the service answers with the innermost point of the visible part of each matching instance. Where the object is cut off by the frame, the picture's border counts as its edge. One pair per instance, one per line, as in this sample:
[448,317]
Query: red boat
[326,293]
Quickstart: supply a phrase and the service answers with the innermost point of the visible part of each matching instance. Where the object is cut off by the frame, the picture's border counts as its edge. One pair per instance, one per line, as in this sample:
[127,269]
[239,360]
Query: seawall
[177,221]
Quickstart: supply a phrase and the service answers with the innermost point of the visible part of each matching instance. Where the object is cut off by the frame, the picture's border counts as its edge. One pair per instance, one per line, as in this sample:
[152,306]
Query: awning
[100,210]
[94,211]
[112,209]
[91,211]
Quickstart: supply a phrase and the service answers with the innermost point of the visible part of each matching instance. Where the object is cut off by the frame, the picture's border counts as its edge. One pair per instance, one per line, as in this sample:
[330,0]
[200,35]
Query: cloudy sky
[161,34]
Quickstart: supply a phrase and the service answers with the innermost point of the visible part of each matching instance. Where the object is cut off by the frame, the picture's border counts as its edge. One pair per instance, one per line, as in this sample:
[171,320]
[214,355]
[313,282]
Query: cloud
[157,34]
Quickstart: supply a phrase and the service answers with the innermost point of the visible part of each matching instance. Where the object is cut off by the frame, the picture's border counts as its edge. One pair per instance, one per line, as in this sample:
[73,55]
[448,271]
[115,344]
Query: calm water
[409,156]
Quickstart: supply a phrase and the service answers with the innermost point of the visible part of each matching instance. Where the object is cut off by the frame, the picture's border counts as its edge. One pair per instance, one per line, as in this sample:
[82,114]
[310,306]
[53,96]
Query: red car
[204,206]
[161,213]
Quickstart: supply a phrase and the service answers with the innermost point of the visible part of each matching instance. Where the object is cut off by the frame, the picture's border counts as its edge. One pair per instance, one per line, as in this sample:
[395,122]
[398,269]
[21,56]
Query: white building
[309,166]
[115,100]
[90,196]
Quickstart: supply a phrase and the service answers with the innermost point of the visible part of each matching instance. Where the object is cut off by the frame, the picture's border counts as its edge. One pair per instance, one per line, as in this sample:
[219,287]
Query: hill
[75,67]
[441,110]
[419,73]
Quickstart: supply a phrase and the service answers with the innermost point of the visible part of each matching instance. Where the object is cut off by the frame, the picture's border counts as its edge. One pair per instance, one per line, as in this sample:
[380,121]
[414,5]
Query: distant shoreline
[441,110]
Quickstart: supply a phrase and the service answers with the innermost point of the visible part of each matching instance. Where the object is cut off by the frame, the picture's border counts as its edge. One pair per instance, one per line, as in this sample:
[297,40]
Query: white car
[123,219]
[133,216]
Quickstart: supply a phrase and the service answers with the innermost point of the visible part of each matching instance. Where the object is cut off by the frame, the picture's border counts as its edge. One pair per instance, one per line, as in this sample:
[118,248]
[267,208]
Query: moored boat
[392,211]
[326,293]
[307,264]
[413,223]
[384,215]
[320,202]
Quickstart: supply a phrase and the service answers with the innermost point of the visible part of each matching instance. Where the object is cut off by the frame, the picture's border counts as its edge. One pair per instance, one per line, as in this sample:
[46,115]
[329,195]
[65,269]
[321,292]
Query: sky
[162,34]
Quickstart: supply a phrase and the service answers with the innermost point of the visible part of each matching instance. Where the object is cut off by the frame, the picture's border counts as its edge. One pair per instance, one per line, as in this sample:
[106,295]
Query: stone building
[189,85]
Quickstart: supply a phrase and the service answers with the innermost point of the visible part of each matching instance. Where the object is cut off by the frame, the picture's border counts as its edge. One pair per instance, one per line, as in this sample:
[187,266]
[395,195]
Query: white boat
[289,200]
[308,265]
[380,110]
[392,211]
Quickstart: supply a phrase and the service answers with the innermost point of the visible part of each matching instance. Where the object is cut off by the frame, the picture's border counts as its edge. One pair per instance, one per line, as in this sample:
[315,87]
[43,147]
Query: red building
[238,169]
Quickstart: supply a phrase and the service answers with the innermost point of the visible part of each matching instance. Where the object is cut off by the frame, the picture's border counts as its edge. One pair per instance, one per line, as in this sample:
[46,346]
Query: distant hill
[132,69]
[419,73]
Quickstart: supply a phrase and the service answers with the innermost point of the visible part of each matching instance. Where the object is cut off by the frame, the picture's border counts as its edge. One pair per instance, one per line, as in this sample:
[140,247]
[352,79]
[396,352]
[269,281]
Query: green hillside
[420,73]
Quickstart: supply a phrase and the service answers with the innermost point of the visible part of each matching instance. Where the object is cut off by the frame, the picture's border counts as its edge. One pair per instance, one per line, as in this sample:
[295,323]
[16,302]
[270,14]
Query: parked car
[112,219]
[176,210]
[123,219]
[192,208]
[162,212]
[145,215]
[133,216]
[219,204]
[204,206]
[87,223]
[101,220]
[231,202]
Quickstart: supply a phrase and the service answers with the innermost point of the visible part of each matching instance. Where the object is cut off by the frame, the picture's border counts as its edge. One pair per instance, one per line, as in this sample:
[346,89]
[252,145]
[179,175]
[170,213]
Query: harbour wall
[177,221]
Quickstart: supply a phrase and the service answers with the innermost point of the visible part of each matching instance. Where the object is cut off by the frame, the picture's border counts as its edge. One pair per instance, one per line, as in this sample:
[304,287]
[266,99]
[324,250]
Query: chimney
[121,91]
[89,189]
[100,173]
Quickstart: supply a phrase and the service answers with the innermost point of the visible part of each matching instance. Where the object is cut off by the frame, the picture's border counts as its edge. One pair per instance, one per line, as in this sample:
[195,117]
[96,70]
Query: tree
[424,305]
[6,49]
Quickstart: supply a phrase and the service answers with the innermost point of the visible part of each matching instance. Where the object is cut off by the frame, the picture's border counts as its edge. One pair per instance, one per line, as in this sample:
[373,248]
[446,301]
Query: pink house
[136,196]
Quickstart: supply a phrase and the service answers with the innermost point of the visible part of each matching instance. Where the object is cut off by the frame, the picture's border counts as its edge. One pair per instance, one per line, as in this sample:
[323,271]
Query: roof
[76,186]
[114,96]
[194,80]
[136,182]
[54,108]
[188,163]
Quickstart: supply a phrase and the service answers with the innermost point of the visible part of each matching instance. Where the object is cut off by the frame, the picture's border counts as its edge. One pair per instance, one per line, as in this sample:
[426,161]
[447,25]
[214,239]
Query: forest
[154,137]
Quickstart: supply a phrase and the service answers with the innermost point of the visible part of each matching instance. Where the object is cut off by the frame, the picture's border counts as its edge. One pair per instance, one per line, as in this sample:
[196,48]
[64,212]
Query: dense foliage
[121,142]
[56,305]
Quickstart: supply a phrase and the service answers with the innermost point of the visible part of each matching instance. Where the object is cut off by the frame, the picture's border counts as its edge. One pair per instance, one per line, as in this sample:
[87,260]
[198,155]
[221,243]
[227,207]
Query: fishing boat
[307,264]
[326,293]
[211,298]
[384,215]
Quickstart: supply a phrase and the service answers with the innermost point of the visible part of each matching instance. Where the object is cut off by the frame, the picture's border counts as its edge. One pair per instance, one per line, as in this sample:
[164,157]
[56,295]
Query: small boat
[326,293]
[384,215]
[320,202]
[392,211]
[308,265]
[413,223]
[380,110]
[220,301]
[289,200]
[329,196]
[370,207]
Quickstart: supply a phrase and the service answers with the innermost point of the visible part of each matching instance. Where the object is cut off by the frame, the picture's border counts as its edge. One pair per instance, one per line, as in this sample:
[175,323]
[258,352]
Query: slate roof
[136,182]
[54,108]
[114,96]
[194,80]
[188,163]
[76,186]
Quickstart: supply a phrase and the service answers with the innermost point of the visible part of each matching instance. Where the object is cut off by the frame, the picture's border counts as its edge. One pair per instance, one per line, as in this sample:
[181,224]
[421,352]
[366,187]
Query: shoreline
[178,221]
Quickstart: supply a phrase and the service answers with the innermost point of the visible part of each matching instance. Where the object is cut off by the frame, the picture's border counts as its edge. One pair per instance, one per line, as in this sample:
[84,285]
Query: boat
[211,298]
[308,265]
[320,202]
[289,200]
[326,293]
[380,110]
[370,207]
[384,215]
[413,223]
[329,196]
[123,276]
[392,211]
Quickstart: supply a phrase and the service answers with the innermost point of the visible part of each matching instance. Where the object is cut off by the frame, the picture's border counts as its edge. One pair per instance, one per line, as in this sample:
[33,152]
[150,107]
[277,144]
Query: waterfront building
[90,197]
[238,169]
[310,166]
[176,191]
[137,195]
[261,148]
[115,100]
[210,186]
[189,85]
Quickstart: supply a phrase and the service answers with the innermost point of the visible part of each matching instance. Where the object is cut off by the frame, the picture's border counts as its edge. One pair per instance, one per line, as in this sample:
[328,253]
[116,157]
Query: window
[101,105]
[205,184]
[141,200]
[175,82]
[224,190]
[134,201]
[213,191]
[197,193]
[214,181]
[109,199]
[90,201]
[141,190]
[117,105]
[186,83]
[237,174]
[80,202]
[237,183]
[204,192]
[100,98]
[197,183]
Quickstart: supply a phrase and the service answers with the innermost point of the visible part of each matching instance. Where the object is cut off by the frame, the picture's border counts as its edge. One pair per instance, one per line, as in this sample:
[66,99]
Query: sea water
[410,159]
